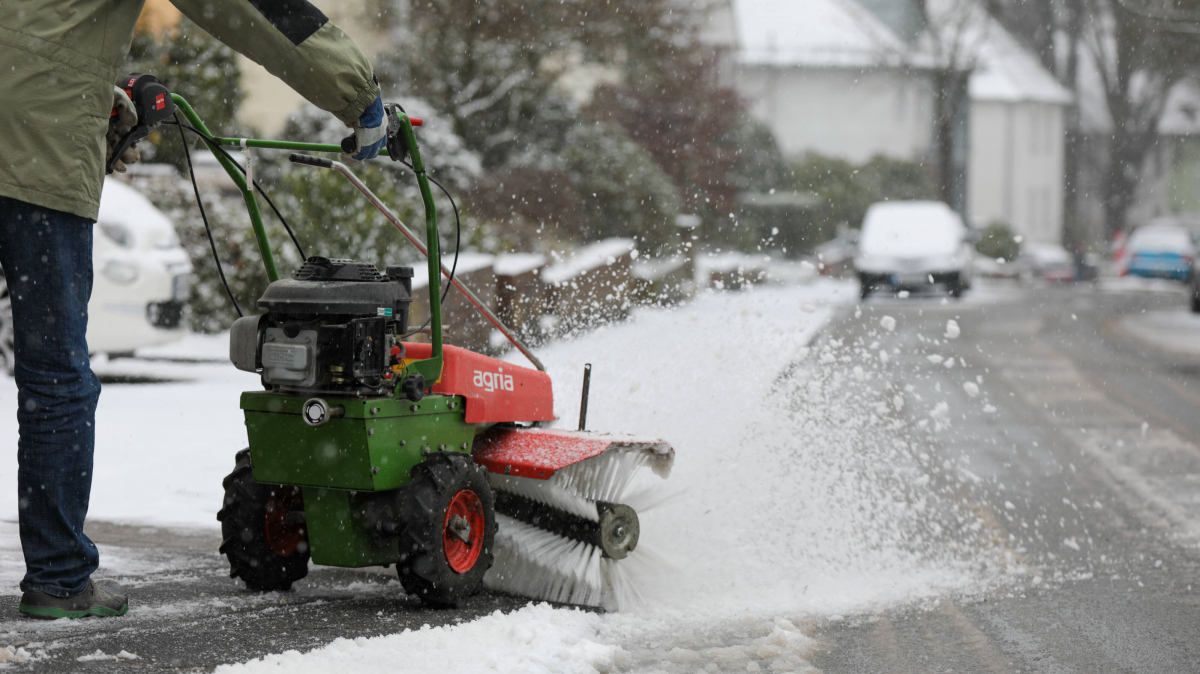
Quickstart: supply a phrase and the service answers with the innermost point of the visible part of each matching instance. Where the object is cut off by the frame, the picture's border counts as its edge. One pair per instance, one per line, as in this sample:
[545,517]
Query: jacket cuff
[365,97]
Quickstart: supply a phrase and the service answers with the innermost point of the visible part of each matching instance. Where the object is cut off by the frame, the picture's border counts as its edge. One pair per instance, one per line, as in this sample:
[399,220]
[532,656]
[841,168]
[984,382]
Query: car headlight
[118,234]
[166,240]
[120,271]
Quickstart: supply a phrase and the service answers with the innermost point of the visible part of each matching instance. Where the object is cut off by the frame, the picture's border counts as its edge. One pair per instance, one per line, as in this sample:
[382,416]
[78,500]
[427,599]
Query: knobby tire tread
[423,569]
[244,536]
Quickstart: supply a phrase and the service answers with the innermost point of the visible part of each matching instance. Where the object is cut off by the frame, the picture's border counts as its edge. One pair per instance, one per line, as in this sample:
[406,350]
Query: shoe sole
[49,613]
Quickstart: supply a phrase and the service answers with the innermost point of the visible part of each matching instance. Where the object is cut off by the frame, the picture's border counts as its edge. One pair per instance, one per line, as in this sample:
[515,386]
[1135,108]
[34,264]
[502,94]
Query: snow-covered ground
[798,492]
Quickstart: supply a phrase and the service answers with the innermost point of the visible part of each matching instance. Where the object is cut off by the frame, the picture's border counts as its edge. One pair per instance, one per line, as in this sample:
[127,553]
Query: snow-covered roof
[814,33]
[467,262]
[653,269]
[512,264]
[1007,71]
[831,33]
[731,262]
[591,256]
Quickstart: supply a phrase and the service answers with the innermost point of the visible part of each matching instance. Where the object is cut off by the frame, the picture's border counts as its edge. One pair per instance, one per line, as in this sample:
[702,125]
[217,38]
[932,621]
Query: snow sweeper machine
[367,449]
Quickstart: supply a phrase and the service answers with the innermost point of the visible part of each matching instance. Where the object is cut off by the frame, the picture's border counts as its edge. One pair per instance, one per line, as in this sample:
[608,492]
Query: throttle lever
[396,146]
[151,101]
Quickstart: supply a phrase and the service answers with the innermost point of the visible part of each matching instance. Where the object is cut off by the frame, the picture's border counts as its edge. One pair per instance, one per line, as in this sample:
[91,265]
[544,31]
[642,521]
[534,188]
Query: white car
[912,245]
[141,278]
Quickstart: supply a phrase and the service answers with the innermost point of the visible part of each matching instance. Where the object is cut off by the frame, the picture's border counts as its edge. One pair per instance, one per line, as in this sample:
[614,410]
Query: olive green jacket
[59,60]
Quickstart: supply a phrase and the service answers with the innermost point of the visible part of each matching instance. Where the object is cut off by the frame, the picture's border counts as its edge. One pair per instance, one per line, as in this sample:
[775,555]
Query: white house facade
[827,76]
[1017,134]
[832,77]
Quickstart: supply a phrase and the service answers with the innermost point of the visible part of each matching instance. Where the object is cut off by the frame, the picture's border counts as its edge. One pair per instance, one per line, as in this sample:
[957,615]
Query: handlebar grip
[310,160]
[348,144]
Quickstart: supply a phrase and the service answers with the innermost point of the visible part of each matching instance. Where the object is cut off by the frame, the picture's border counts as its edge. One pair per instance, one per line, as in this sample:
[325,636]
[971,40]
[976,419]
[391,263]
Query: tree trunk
[950,136]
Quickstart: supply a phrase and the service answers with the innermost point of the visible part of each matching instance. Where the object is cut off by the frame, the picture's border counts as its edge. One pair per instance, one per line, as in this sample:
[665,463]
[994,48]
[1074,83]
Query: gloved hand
[119,124]
[369,135]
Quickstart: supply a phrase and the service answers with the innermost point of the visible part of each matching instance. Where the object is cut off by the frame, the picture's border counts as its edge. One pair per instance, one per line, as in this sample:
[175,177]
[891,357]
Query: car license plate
[910,279]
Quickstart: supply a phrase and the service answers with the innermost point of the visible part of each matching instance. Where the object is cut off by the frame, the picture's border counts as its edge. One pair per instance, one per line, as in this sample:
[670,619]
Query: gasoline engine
[335,327]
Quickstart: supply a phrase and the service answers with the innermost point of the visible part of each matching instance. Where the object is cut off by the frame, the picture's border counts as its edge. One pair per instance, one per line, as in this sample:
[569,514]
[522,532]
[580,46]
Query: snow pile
[805,490]
[535,639]
[14,655]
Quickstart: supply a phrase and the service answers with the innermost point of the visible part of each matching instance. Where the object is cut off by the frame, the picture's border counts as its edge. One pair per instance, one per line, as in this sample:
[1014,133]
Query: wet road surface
[1081,447]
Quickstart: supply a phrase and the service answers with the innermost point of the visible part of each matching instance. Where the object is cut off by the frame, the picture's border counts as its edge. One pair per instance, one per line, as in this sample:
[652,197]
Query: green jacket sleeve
[294,41]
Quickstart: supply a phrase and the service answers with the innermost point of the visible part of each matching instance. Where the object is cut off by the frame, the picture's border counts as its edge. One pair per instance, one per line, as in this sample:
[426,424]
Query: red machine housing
[496,391]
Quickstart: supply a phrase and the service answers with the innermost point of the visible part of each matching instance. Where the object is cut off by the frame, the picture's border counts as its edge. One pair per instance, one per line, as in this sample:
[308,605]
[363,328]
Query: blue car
[1160,251]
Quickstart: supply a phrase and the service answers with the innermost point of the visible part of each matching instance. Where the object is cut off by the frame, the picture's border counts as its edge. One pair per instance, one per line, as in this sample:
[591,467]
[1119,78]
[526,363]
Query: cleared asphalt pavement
[1082,447]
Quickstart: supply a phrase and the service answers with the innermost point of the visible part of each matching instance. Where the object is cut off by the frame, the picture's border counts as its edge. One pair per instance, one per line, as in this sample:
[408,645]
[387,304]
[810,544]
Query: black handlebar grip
[310,160]
[348,144]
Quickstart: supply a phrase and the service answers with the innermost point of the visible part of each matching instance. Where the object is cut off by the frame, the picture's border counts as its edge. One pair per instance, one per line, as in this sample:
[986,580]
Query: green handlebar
[260,232]
[433,371]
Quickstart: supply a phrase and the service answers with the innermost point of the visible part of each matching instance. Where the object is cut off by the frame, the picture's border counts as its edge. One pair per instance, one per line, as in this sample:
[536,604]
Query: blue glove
[369,135]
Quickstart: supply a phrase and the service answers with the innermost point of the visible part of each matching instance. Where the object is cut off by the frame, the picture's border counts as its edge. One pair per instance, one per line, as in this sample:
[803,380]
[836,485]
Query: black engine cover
[325,287]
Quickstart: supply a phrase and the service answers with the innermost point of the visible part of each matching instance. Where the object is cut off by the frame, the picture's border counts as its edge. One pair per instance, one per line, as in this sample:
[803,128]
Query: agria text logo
[493,381]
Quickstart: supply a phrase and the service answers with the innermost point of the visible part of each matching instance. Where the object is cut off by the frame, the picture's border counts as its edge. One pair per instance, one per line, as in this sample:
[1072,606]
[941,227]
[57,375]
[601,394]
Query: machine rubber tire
[1195,303]
[424,567]
[956,288]
[865,287]
[245,519]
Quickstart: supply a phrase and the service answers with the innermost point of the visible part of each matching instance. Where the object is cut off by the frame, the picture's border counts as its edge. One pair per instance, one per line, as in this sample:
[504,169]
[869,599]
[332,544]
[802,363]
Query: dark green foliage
[195,65]
[997,241]
[597,184]
[760,166]
[844,191]
[495,72]
[689,124]
[623,192]
[842,195]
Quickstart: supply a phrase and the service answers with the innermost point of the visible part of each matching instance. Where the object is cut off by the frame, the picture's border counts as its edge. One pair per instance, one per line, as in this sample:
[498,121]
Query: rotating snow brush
[567,535]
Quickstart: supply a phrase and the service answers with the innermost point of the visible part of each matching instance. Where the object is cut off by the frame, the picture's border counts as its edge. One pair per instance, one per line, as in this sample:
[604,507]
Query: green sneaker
[103,599]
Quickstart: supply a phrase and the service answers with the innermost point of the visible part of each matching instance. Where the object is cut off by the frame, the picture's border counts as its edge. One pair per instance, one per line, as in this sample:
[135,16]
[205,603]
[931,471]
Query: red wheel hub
[462,530]
[284,538]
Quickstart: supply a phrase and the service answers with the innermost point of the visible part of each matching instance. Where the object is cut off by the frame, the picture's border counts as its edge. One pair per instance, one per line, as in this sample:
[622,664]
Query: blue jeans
[47,261]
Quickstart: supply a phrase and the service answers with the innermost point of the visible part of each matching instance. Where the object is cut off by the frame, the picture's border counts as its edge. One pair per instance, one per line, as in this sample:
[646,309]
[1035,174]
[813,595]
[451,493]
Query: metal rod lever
[583,404]
[420,245]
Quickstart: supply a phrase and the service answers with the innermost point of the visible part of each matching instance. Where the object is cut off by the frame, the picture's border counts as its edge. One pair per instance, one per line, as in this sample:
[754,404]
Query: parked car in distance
[1159,251]
[141,278]
[912,245]
[1048,261]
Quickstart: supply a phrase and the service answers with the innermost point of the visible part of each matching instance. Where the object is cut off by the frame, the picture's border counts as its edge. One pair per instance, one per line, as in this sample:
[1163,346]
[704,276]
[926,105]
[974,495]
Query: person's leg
[47,261]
